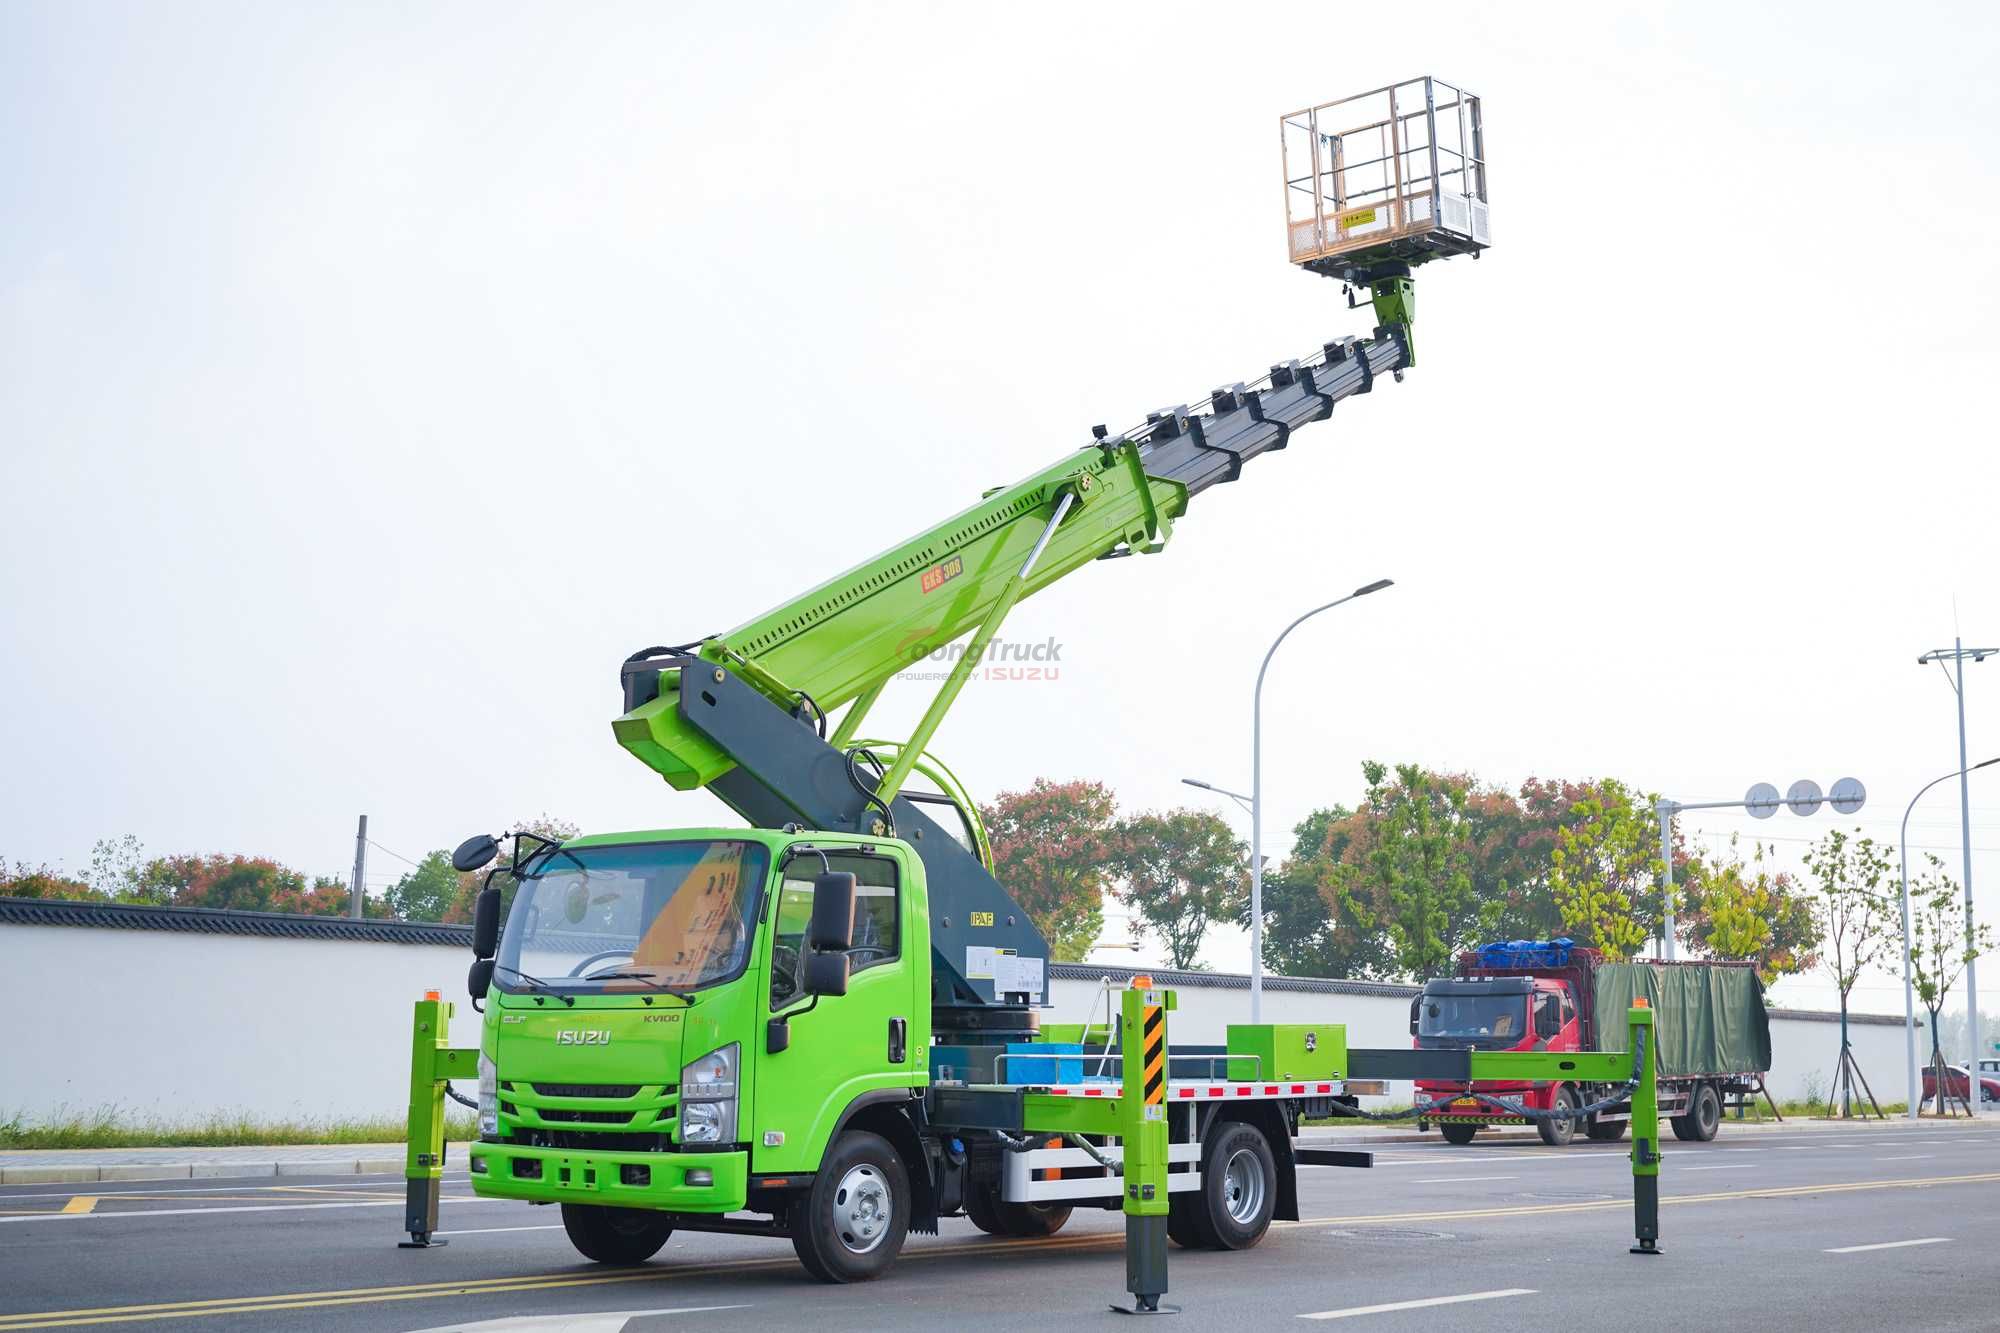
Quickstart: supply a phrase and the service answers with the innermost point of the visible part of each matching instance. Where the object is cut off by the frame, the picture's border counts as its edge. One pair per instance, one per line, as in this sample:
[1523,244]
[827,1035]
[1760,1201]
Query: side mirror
[474,852]
[486,924]
[1415,1005]
[826,973]
[479,979]
[832,927]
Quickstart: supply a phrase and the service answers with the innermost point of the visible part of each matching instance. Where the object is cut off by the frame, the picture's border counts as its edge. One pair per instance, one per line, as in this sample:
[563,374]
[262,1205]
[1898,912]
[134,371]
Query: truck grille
[608,1090]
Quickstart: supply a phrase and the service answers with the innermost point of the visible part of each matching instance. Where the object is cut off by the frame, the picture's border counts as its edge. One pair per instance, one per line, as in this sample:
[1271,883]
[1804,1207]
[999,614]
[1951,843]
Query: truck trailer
[1712,1045]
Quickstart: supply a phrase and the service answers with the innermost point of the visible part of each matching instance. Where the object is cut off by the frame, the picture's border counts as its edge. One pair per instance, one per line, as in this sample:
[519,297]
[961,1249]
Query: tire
[1605,1131]
[857,1213]
[1239,1190]
[622,1236]
[1703,1116]
[1459,1134]
[1182,1229]
[996,1217]
[1557,1132]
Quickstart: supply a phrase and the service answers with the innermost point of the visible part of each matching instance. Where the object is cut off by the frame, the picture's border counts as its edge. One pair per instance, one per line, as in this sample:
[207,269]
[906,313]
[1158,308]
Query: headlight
[489,1098]
[708,1097]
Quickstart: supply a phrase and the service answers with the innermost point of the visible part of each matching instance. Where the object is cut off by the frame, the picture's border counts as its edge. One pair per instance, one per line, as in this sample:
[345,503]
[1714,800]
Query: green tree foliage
[1937,940]
[1736,909]
[1310,930]
[121,872]
[544,825]
[1604,861]
[1181,869]
[1053,848]
[41,881]
[1408,866]
[426,892]
[1854,909]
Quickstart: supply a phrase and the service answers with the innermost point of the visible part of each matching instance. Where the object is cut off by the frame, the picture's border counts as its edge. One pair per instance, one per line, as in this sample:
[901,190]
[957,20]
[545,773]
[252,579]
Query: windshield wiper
[537,983]
[688,996]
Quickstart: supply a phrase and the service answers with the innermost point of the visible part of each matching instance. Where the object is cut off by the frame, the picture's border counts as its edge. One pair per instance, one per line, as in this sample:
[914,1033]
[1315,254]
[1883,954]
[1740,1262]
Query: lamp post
[1956,654]
[1909,989]
[1257,799]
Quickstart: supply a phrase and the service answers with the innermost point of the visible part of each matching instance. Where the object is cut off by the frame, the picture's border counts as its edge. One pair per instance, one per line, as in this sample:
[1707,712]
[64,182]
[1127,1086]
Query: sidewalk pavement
[78,1166]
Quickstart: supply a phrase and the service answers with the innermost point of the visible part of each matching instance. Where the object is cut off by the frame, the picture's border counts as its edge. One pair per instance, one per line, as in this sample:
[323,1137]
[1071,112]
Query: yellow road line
[119,1314]
[82,1203]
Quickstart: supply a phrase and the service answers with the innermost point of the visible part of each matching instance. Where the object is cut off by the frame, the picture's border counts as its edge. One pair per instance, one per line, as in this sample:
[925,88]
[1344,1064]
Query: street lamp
[1235,796]
[1257,799]
[1909,990]
[1956,654]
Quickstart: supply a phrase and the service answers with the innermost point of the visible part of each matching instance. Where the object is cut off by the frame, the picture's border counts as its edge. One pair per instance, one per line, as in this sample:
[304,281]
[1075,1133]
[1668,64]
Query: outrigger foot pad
[421,1240]
[1146,1305]
[1647,1247]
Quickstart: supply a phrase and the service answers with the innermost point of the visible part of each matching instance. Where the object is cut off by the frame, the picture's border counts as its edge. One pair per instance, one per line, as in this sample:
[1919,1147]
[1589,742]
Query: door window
[877,934]
[1548,1016]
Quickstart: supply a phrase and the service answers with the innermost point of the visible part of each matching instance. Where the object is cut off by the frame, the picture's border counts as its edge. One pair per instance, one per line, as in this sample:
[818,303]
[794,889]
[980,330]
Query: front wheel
[857,1213]
[622,1236]
[1461,1134]
[1560,1127]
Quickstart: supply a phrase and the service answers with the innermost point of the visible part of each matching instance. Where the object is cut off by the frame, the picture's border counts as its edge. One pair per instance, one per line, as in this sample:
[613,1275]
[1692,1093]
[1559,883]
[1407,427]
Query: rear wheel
[1605,1131]
[1560,1128]
[1239,1191]
[857,1213]
[1702,1118]
[1459,1134]
[996,1217]
[621,1236]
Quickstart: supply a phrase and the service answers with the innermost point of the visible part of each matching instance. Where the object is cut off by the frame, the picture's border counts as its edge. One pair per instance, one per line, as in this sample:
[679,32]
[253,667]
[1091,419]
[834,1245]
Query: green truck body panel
[1710,1020]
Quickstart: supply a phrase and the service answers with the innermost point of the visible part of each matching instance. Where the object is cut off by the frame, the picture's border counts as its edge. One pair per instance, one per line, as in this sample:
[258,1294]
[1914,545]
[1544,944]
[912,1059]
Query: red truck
[1712,1034]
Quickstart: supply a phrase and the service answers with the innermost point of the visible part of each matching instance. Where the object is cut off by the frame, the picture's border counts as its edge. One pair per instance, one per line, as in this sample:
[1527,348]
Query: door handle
[899,1040]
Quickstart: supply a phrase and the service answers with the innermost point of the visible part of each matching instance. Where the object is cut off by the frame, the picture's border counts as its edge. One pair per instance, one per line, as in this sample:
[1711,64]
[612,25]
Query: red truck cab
[1509,1013]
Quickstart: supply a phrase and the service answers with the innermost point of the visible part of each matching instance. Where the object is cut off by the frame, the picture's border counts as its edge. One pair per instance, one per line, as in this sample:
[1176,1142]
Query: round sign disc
[1761,800]
[1848,795]
[1804,798]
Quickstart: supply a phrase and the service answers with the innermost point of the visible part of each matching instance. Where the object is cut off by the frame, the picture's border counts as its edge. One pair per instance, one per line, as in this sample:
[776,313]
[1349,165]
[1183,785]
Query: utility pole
[360,868]
[1957,654]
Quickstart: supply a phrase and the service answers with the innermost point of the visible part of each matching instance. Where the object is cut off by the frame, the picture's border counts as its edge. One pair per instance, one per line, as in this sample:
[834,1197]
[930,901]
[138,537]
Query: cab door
[838,1047]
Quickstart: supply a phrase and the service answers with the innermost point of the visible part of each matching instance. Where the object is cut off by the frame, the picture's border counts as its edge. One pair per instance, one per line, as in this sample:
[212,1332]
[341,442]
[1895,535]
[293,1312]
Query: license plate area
[571,1174]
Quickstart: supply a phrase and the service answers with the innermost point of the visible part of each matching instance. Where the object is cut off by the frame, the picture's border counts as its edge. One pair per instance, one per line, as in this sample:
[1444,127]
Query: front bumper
[567,1175]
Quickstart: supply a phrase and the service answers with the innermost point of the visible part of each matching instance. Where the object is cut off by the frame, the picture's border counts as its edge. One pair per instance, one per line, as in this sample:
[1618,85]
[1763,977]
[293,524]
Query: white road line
[1392,1306]
[110,1189]
[1892,1245]
[1909,1157]
[1742,1166]
[1458,1180]
[145,1213]
[488,1231]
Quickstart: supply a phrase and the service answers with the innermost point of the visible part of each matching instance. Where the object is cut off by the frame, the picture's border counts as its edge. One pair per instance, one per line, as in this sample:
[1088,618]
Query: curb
[89,1175]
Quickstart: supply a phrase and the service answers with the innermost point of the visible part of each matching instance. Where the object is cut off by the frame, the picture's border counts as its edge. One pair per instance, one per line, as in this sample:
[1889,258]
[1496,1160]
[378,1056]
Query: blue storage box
[1043,1062]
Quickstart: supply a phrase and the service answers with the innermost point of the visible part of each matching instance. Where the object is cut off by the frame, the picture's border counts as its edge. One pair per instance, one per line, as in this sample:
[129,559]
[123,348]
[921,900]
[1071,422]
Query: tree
[1052,847]
[1308,932]
[1604,859]
[1182,870]
[1938,952]
[426,892]
[544,825]
[1852,915]
[1736,910]
[1408,866]
[42,881]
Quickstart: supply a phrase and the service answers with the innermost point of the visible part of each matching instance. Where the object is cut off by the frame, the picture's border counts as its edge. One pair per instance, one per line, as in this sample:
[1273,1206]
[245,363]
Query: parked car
[1989,1081]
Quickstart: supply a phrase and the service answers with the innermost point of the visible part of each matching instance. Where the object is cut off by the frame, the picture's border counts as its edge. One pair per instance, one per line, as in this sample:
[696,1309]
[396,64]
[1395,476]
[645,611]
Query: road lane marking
[1098,1241]
[488,1231]
[1909,1157]
[1459,1180]
[1891,1245]
[242,1208]
[146,1190]
[1425,1303]
[1744,1166]
[82,1203]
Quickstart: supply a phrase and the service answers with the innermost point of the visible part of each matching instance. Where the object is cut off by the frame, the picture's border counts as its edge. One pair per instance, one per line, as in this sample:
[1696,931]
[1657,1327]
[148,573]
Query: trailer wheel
[622,1236]
[857,1213]
[1605,1131]
[1461,1134]
[996,1217]
[1239,1190]
[1559,1129]
[1703,1116]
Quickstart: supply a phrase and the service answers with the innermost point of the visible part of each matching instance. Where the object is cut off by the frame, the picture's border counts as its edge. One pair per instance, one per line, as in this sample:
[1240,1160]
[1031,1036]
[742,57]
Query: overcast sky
[373,378]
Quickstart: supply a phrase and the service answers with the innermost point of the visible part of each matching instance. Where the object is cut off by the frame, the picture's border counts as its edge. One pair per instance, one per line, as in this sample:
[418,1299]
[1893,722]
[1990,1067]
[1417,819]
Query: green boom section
[842,641]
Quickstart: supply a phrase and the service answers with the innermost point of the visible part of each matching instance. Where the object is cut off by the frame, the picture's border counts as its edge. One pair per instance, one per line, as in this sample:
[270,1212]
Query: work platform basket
[1396,175]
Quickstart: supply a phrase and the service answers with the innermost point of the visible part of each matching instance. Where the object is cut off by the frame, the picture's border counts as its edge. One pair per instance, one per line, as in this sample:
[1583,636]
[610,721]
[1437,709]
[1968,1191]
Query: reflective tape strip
[1155,1028]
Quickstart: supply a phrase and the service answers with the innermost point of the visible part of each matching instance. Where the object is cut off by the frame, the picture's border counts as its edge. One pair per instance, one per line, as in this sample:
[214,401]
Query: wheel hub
[1243,1187]
[862,1209]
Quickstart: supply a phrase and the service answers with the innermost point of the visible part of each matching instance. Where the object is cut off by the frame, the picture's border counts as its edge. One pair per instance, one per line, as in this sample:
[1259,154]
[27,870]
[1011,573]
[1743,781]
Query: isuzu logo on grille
[583,1037]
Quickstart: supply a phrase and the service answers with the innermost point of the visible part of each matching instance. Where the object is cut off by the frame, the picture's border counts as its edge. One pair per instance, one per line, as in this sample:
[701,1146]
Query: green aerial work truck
[824,1026]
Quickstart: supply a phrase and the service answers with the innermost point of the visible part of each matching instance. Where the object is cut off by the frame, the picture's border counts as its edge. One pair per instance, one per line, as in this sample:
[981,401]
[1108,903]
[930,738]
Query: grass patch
[109,1127]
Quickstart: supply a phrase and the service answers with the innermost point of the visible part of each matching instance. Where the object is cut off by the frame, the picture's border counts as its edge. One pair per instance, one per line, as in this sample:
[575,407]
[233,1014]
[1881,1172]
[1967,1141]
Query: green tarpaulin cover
[1708,1020]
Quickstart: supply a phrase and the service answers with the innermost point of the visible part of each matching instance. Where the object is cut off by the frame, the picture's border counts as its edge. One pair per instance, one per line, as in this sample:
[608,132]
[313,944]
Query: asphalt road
[1826,1229]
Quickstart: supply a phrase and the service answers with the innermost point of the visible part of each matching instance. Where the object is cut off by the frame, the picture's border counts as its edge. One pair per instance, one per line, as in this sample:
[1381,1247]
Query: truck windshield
[630,918]
[1456,1020]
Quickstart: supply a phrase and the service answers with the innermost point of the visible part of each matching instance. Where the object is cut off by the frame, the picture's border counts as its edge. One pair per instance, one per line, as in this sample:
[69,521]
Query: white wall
[180,1026]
